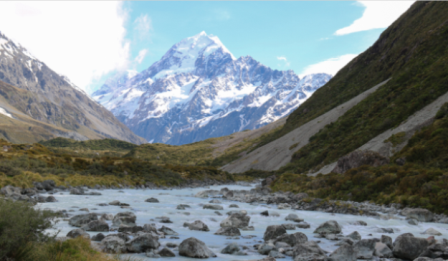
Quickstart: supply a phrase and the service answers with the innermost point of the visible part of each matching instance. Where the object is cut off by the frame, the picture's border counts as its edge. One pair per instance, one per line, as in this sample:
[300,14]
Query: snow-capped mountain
[199,90]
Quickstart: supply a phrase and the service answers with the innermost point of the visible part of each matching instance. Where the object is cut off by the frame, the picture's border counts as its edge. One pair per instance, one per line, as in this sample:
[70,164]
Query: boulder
[165,252]
[228,231]
[114,203]
[124,218]
[344,252]
[233,206]
[265,213]
[123,236]
[409,247]
[387,240]
[168,231]
[98,237]
[76,191]
[432,232]
[215,201]
[329,227]
[214,207]
[365,248]
[293,217]
[265,248]
[303,225]
[107,217]
[233,249]
[198,225]
[96,225]
[149,228]
[382,250]
[273,231]
[51,199]
[80,220]
[152,200]
[289,226]
[238,220]
[126,229]
[77,233]
[354,236]
[113,245]
[192,247]
[292,239]
[308,251]
[142,243]
[419,214]
[357,159]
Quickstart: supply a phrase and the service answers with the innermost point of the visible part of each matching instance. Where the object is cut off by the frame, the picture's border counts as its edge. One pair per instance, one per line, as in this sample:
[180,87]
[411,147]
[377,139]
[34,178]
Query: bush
[20,226]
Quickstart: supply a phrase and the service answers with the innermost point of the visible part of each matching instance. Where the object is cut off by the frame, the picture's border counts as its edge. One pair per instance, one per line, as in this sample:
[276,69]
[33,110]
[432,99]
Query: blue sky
[303,36]
[301,32]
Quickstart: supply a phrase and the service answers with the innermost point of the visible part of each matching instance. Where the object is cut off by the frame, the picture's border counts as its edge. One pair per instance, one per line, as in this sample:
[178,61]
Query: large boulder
[98,237]
[308,251]
[113,245]
[96,225]
[142,243]
[152,200]
[420,214]
[83,219]
[126,229]
[273,232]
[359,158]
[124,218]
[238,220]
[329,227]
[365,248]
[228,231]
[292,239]
[344,252]
[409,247]
[192,247]
[432,232]
[78,233]
[198,225]
[168,231]
[10,191]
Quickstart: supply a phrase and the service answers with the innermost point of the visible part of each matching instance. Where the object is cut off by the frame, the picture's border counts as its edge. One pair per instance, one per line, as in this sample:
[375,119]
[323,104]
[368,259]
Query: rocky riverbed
[239,222]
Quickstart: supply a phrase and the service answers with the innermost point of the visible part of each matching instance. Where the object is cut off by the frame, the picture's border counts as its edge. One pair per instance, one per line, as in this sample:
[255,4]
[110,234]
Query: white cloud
[283,58]
[377,14]
[143,26]
[330,66]
[141,55]
[83,40]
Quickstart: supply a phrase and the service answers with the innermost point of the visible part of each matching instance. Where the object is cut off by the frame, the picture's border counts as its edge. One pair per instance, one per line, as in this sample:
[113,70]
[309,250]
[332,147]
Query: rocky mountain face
[199,90]
[29,89]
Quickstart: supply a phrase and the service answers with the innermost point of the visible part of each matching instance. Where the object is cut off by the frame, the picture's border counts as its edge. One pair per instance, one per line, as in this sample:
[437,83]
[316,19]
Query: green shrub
[20,227]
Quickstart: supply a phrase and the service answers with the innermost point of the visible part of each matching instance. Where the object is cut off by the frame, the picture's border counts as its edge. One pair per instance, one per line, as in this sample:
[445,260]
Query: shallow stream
[147,212]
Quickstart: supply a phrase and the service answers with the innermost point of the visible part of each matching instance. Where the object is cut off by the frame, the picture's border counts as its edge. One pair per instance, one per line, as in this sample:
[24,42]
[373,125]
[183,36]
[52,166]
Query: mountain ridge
[199,90]
[51,98]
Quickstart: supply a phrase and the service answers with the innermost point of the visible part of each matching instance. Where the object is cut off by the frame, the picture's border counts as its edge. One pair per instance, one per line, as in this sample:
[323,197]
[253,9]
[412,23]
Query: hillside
[44,104]
[199,90]
[412,52]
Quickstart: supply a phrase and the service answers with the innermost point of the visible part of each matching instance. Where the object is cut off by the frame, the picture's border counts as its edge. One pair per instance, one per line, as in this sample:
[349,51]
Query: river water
[147,212]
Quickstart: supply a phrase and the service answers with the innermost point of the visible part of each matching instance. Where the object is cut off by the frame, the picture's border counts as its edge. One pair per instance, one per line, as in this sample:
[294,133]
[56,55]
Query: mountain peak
[201,43]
